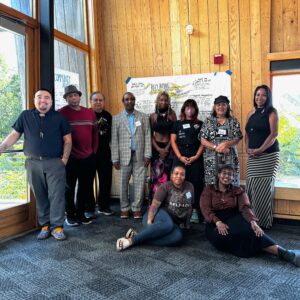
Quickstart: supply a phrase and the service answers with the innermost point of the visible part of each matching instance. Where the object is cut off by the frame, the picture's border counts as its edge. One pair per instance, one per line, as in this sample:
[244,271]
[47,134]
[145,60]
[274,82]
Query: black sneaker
[85,221]
[107,211]
[71,221]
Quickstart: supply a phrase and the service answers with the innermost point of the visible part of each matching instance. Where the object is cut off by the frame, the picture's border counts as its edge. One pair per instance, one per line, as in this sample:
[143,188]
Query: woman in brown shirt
[169,212]
[231,224]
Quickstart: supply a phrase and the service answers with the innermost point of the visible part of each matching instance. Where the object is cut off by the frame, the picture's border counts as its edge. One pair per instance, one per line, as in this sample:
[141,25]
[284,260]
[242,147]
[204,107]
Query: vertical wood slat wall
[141,38]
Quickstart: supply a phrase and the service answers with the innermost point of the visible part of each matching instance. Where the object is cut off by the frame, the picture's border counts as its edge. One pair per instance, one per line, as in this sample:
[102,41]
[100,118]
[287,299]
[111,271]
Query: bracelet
[214,147]
[218,222]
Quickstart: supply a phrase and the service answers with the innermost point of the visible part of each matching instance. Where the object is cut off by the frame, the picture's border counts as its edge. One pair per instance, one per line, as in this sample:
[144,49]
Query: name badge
[186,126]
[138,123]
[188,195]
[222,131]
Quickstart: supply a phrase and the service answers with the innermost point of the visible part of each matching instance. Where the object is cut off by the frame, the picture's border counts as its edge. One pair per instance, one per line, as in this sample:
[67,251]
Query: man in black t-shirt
[47,146]
[103,155]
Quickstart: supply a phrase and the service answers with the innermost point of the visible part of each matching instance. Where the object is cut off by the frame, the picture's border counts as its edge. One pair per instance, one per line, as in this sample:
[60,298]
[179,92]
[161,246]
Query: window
[71,50]
[13,188]
[286,99]
[69,18]
[70,68]
[23,6]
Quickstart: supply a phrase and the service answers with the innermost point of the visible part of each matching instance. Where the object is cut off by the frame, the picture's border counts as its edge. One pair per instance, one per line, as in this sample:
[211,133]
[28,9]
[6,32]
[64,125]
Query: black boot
[292,256]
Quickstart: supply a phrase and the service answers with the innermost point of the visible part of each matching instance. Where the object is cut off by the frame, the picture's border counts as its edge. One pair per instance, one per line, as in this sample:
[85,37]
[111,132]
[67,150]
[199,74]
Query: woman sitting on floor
[169,212]
[231,224]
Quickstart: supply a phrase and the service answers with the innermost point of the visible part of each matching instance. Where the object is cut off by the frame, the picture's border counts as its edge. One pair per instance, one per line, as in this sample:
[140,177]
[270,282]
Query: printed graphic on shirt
[102,126]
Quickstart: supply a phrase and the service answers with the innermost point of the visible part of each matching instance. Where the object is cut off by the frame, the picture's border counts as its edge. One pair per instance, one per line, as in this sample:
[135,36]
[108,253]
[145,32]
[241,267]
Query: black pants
[82,170]
[194,173]
[104,171]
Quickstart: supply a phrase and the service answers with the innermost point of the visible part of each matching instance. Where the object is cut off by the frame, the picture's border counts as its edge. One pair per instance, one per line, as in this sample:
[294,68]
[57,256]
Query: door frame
[22,218]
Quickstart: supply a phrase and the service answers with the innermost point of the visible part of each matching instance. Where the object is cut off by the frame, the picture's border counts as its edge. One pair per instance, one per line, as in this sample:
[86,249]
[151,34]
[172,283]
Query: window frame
[22,218]
[284,73]
[89,47]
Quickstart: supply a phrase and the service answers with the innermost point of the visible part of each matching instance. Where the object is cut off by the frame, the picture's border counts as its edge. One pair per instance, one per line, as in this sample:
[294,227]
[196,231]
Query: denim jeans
[163,231]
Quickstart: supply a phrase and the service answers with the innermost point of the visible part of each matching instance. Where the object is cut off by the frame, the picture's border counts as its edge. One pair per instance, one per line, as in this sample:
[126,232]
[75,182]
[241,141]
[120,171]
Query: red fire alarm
[218,59]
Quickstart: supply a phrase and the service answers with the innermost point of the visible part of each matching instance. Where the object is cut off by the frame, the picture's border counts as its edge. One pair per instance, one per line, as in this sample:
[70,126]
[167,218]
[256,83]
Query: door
[17,211]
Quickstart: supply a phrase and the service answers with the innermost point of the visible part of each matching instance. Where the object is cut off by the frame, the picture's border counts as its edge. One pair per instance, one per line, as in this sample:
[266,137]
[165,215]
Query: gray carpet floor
[87,266]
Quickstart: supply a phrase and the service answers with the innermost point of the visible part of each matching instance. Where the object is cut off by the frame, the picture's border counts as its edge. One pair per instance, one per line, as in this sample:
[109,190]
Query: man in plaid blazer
[131,153]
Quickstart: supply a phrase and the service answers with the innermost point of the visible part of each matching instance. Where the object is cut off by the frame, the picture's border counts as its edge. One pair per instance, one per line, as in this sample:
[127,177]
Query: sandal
[130,233]
[123,243]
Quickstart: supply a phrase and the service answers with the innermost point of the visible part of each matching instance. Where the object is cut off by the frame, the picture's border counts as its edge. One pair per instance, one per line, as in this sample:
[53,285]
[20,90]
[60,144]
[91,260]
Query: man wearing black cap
[81,165]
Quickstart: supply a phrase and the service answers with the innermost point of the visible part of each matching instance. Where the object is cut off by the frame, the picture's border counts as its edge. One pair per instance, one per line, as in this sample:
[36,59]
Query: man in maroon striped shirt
[81,164]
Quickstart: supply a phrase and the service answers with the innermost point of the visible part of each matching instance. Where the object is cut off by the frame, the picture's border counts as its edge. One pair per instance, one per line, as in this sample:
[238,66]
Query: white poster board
[203,88]
[63,78]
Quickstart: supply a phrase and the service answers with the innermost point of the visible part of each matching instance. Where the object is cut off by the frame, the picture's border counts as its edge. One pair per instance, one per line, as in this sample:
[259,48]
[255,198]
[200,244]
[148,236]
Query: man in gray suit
[131,153]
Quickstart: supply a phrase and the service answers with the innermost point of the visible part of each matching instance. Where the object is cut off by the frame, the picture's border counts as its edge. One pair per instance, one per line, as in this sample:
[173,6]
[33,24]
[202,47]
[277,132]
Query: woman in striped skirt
[263,150]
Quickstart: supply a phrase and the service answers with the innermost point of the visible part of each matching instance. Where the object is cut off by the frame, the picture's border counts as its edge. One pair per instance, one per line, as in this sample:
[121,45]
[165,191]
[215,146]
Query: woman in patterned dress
[220,135]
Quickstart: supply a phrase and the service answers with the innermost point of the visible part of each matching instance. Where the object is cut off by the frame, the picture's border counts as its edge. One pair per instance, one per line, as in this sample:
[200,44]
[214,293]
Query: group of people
[63,154]
[189,160]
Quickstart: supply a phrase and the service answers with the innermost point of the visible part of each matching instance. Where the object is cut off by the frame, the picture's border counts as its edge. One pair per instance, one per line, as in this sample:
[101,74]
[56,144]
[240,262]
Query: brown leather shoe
[137,215]
[124,214]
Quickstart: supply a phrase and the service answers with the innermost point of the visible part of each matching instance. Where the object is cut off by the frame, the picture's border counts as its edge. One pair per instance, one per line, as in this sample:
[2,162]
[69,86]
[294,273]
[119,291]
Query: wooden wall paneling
[234,33]
[175,37]
[282,206]
[166,37]
[147,38]
[224,43]
[277,24]
[243,159]
[123,48]
[265,31]
[246,93]
[130,38]
[117,49]
[255,43]
[103,72]
[156,38]
[213,18]
[138,37]
[109,56]
[294,208]
[195,37]
[185,38]
[298,17]
[94,35]
[290,25]
[204,36]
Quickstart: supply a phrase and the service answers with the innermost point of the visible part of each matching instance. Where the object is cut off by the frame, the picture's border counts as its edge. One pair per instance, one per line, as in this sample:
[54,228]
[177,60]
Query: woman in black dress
[188,150]
[231,224]
[263,150]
